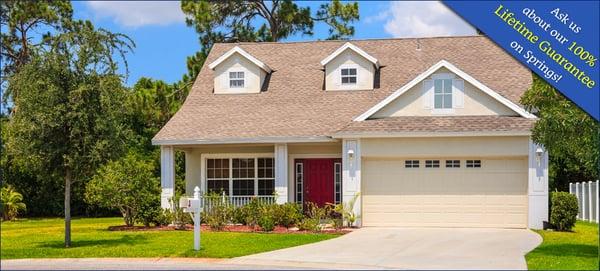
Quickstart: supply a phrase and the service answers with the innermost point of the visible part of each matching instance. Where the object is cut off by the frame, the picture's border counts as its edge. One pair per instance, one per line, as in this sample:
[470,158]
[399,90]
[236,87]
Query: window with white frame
[236,79]
[240,176]
[348,76]
[473,163]
[338,182]
[442,94]
[432,163]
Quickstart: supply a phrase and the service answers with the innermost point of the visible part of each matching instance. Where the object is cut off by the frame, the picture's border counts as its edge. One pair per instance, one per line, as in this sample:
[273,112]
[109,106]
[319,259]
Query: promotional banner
[558,40]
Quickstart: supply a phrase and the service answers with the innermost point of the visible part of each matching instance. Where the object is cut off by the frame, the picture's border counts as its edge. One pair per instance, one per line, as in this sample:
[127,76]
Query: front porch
[319,172]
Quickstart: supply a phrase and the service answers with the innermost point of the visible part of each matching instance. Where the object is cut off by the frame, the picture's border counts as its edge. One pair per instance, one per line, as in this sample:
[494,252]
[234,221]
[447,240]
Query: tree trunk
[68,207]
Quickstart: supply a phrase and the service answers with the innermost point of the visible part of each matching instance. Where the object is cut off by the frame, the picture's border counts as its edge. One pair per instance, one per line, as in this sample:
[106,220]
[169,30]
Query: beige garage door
[493,195]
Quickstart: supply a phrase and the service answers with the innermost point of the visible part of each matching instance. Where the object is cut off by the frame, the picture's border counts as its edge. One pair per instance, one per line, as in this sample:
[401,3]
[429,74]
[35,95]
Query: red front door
[318,183]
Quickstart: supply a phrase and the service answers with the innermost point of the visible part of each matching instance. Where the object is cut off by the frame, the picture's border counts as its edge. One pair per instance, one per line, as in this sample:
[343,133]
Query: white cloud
[139,13]
[421,19]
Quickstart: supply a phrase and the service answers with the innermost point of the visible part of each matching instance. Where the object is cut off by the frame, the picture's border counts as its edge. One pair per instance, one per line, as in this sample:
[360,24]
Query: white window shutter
[458,93]
[427,93]
[338,77]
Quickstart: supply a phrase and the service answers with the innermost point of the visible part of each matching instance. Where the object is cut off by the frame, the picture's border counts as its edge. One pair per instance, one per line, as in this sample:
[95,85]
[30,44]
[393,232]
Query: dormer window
[442,93]
[348,76]
[236,79]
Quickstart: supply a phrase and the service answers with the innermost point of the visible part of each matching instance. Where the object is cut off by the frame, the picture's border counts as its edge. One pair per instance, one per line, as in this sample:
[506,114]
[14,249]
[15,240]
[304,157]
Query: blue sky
[163,41]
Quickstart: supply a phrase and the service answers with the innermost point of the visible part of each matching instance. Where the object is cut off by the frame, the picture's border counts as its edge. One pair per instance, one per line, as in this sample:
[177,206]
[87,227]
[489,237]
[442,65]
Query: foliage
[22,239]
[309,224]
[566,132]
[22,22]
[129,185]
[239,21]
[12,203]
[576,250]
[346,210]
[252,212]
[266,222]
[287,214]
[563,214]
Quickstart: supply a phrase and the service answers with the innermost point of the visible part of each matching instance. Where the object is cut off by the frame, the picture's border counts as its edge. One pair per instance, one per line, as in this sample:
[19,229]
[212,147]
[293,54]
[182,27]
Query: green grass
[577,250]
[43,238]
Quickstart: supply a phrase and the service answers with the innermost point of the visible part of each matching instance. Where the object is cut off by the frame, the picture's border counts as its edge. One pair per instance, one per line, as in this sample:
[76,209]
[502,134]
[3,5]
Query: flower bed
[228,228]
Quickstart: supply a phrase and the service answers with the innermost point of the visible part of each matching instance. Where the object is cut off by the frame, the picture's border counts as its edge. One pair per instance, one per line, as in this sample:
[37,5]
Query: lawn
[577,250]
[43,238]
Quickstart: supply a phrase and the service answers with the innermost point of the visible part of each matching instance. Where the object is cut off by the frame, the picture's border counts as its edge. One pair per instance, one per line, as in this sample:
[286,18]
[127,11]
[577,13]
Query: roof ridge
[350,40]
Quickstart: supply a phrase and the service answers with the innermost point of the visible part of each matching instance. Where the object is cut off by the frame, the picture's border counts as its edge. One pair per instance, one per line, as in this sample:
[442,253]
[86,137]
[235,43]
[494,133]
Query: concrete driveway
[409,248]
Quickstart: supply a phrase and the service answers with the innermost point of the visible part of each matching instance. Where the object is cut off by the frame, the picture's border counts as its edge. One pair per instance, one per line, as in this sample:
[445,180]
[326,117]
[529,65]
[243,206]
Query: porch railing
[235,201]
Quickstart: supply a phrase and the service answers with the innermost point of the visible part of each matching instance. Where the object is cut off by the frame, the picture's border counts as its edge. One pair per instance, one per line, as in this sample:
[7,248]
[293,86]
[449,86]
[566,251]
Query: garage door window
[411,163]
[473,163]
[432,163]
[452,163]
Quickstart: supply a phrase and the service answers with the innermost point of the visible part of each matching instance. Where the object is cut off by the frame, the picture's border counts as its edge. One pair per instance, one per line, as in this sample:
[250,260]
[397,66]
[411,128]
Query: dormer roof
[350,46]
[243,53]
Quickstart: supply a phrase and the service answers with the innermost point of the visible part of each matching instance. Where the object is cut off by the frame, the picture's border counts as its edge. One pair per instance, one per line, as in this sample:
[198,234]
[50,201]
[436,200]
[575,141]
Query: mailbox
[184,202]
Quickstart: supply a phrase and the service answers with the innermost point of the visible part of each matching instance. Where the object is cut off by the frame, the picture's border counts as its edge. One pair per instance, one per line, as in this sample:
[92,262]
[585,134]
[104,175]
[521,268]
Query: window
[241,176]
[266,177]
[348,76]
[217,175]
[442,93]
[473,163]
[299,181]
[338,182]
[411,163]
[236,79]
[432,163]
[453,163]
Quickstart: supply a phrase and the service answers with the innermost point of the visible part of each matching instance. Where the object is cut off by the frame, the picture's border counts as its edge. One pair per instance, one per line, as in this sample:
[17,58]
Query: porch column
[351,177]
[537,186]
[281,173]
[167,175]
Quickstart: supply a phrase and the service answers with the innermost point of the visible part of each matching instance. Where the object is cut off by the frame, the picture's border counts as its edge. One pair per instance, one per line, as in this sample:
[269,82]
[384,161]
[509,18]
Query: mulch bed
[228,228]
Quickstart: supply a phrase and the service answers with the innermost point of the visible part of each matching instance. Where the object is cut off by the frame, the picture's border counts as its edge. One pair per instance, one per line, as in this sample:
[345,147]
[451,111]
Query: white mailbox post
[193,206]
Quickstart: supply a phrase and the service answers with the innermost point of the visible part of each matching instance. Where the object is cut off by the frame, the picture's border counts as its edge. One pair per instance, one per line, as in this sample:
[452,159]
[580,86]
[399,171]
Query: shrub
[238,216]
[164,218]
[218,214]
[127,184]
[266,223]
[309,224]
[563,214]
[287,214]
[148,213]
[346,210]
[12,203]
[252,212]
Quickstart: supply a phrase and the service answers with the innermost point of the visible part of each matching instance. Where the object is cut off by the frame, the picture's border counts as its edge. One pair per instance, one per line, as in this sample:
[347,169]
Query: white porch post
[351,177]
[167,175]
[281,173]
[537,186]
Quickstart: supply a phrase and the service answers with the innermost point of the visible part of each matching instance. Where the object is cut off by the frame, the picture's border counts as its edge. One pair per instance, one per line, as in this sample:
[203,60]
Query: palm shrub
[12,203]
[347,210]
[563,214]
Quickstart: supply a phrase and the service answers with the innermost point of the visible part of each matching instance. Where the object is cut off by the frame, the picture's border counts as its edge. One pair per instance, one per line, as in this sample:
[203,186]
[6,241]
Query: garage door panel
[494,195]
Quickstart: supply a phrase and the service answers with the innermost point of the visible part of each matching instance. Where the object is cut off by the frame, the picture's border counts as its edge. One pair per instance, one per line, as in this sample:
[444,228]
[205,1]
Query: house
[428,132]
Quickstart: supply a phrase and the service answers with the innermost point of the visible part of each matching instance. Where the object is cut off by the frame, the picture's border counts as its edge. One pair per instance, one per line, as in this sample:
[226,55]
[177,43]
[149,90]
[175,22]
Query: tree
[237,21]
[22,22]
[127,184]
[12,203]
[70,101]
[570,135]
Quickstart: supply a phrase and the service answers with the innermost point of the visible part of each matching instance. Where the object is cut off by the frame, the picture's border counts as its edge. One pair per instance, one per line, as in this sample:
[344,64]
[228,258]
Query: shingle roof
[295,104]
[442,124]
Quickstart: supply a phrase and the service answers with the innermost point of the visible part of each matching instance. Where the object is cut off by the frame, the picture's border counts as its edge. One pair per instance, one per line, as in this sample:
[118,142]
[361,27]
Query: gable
[349,59]
[254,76]
[456,78]
[417,102]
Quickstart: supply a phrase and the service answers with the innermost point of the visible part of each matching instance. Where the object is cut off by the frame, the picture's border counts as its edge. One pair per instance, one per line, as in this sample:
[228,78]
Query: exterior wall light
[538,155]
[350,154]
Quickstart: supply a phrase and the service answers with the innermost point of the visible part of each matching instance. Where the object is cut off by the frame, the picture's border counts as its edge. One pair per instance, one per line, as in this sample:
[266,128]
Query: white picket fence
[587,198]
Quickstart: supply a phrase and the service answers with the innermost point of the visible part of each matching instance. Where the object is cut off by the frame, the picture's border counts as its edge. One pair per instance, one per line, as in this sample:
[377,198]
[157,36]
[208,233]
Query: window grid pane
[243,187]
[236,79]
[338,182]
[411,163]
[452,163]
[442,93]
[432,163]
[299,181]
[348,76]
[473,163]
